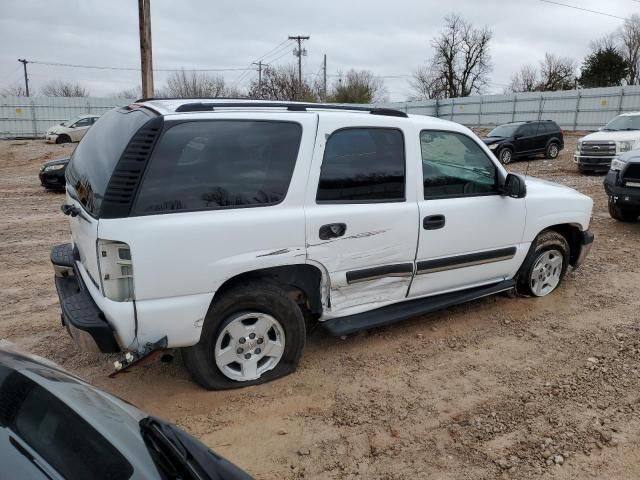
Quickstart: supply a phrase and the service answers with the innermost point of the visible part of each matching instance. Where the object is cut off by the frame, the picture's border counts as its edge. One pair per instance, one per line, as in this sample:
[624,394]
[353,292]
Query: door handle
[433,222]
[332,230]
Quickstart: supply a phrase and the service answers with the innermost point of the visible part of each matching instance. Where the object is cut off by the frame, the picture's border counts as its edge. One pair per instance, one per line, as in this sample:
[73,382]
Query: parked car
[221,227]
[55,426]
[622,185]
[524,139]
[52,174]
[595,152]
[71,130]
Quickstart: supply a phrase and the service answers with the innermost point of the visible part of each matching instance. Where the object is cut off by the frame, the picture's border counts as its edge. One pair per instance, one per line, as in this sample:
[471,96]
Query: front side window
[85,122]
[453,165]
[363,165]
[220,164]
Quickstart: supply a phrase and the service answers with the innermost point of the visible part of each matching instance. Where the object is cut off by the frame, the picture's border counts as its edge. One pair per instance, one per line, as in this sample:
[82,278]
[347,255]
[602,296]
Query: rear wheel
[545,265]
[505,156]
[552,150]
[622,213]
[252,334]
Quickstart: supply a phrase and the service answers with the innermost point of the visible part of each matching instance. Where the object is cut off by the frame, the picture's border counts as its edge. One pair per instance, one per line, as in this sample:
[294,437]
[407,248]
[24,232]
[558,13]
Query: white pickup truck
[228,227]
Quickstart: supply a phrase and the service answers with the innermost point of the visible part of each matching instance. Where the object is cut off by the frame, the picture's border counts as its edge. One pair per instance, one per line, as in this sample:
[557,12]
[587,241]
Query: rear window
[220,164]
[95,158]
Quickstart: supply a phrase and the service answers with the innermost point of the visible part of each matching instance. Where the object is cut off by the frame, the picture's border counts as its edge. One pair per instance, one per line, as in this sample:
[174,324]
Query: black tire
[255,296]
[63,139]
[552,151]
[622,213]
[546,241]
[505,156]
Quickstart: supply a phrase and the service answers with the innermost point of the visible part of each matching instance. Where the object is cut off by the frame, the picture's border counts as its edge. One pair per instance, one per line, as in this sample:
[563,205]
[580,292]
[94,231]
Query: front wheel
[252,334]
[622,213]
[545,265]
[505,156]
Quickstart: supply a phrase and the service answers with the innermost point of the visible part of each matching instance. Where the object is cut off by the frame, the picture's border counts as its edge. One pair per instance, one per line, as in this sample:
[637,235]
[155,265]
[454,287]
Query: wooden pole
[146,62]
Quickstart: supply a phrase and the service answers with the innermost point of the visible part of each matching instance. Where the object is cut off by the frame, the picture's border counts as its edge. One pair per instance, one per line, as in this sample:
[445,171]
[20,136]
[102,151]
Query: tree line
[460,66]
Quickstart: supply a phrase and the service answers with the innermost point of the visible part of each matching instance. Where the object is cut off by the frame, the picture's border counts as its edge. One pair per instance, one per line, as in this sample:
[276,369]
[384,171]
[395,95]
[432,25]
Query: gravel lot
[504,387]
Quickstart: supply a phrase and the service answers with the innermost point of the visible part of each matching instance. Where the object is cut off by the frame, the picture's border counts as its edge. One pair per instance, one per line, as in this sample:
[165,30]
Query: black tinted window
[528,130]
[550,127]
[363,164]
[96,156]
[55,432]
[454,165]
[220,164]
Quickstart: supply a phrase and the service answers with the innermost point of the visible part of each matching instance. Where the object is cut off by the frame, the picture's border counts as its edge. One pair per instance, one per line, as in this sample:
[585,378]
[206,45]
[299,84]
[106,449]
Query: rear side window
[95,158]
[220,164]
[363,165]
[551,127]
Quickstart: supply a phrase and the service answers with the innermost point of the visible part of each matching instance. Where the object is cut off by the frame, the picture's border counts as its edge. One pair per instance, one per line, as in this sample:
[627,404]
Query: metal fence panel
[32,116]
[585,109]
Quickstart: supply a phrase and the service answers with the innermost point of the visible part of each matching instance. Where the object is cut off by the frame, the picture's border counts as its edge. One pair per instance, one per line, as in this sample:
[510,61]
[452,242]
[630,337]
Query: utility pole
[146,62]
[299,53]
[324,78]
[24,62]
[260,65]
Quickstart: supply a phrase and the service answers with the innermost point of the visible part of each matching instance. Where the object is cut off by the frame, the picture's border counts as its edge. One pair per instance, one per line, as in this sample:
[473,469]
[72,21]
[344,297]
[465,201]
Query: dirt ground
[504,387]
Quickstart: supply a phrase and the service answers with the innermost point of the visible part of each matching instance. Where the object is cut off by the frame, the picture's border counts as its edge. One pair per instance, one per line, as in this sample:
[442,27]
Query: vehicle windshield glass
[95,158]
[44,426]
[70,122]
[504,131]
[628,122]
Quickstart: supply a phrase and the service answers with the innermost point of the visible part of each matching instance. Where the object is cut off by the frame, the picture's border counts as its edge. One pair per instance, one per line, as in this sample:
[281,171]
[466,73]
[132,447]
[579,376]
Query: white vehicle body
[389,253]
[595,152]
[70,130]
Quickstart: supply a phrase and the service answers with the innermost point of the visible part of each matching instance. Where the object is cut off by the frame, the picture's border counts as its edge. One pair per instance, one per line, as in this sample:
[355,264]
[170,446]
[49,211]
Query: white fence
[32,116]
[585,109]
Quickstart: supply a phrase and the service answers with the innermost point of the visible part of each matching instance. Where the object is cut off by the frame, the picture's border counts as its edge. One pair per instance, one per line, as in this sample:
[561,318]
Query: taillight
[116,270]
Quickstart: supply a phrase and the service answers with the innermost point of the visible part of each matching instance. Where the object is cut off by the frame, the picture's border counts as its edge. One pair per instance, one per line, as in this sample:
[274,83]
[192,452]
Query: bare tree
[629,36]
[425,84]
[358,86]
[608,41]
[461,62]
[557,73]
[526,80]
[15,90]
[133,92]
[281,83]
[183,84]
[59,88]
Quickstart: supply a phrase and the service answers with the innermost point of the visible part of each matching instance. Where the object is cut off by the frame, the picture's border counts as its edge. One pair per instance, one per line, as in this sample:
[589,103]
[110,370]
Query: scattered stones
[592,360]
[558,459]
[304,451]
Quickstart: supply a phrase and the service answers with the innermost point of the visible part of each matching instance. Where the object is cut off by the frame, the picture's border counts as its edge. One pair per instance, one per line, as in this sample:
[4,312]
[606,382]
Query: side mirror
[514,186]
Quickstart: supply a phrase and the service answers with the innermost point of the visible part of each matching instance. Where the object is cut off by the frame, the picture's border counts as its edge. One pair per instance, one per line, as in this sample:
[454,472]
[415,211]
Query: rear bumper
[81,316]
[586,241]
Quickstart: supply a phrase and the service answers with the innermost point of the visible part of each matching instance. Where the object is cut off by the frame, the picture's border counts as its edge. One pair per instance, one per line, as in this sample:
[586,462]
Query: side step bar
[401,311]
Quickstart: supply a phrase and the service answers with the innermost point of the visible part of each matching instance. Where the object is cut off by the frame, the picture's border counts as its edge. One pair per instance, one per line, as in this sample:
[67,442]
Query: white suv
[228,228]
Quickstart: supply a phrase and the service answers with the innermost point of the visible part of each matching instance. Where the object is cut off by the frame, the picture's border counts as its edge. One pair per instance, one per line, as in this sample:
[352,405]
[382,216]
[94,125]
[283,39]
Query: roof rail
[291,106]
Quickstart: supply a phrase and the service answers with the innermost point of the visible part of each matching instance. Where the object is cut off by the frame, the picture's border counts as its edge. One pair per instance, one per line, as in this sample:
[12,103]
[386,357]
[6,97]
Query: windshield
[95,158]
[70,122]
[504,131]
[623,123]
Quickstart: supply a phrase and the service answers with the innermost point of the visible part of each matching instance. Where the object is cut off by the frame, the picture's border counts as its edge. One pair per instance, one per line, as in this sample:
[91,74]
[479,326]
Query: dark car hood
[492,140]
[58,161]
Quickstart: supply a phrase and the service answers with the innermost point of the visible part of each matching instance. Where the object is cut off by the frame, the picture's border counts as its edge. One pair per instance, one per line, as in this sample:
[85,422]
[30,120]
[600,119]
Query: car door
[361,213]
[470,235]
[79,128]
[525,139]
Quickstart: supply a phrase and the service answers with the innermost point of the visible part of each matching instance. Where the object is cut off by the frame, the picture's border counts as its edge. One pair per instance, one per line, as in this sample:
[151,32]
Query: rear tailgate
[84,234]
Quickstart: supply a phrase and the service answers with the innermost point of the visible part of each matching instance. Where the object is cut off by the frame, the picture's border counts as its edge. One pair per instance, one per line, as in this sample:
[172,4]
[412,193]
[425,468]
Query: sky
[390,38]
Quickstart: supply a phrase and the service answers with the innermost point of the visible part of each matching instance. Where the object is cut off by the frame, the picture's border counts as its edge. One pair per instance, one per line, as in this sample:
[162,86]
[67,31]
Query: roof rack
[293,107]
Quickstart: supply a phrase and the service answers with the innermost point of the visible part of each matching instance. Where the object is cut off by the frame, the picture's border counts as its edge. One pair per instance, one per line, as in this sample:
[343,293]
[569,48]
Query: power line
[104,67]
[584,9]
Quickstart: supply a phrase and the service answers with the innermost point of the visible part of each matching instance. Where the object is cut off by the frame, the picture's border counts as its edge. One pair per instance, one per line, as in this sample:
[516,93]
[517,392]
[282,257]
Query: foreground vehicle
[622,185]
[71,130]
[522,139]
[52,173]
[55,426]
[225,228]
[595,151]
